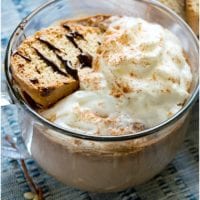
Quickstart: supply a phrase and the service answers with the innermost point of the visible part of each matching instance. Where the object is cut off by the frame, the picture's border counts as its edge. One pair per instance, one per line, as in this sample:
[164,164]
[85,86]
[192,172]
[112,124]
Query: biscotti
[177,6]
[45,65]
[192,15]
[38,76]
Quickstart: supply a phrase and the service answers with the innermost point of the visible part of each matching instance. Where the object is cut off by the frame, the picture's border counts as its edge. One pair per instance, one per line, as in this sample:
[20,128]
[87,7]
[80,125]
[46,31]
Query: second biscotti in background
[177,6]
[192,15]
[187,9]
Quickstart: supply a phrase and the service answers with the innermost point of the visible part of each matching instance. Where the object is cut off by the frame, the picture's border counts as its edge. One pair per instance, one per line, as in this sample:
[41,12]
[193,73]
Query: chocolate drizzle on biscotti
[52,47]
[70,70]
[49,44]
[67,66]
[71,38]
[23,56]
[72,35]
[75,34]
[49,62]
[67,27]
[84,58]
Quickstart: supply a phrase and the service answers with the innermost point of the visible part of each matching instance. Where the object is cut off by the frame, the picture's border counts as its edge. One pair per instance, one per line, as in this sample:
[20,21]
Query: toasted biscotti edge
[46,96]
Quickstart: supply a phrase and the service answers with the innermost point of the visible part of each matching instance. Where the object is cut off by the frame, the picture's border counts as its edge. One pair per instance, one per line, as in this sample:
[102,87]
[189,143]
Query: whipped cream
[139,79]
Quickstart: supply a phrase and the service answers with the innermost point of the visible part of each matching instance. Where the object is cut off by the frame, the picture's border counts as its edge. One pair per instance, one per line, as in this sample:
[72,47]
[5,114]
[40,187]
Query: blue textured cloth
[179,180]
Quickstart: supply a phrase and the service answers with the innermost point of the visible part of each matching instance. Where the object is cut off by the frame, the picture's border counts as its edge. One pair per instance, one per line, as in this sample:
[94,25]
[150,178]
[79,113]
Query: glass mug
[102,163]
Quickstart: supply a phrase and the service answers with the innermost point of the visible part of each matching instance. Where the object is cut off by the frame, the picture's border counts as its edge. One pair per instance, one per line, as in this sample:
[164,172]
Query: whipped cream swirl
[139,79]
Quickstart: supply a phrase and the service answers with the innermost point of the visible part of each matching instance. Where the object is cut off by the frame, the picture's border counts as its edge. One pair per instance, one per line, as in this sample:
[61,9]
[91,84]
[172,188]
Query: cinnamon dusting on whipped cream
[139,78]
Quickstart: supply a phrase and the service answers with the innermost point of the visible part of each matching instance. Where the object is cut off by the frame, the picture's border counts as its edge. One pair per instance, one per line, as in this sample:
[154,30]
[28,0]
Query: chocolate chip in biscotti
[46,91]
[85,60]
[34,80]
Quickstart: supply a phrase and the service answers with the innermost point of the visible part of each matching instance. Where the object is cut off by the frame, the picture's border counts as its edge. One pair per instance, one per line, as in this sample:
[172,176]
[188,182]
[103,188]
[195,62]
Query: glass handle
[5,100]
[5,97]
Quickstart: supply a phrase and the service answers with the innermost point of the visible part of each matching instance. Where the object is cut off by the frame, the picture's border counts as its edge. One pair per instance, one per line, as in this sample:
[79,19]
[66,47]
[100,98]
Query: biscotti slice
[192,15]
[46,65]
[38,76]
[177,6]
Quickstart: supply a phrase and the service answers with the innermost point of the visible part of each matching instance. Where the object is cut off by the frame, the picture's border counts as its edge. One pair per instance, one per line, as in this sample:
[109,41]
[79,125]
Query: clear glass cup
[102,163]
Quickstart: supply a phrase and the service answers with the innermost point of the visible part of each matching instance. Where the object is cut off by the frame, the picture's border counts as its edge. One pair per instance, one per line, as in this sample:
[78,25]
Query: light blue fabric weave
[179,180]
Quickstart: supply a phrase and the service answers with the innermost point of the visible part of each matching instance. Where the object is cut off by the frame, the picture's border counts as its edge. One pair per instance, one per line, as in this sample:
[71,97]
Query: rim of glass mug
[12,92]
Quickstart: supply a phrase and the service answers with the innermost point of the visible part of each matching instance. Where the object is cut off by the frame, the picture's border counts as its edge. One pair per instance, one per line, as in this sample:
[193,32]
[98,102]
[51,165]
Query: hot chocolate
[103,76]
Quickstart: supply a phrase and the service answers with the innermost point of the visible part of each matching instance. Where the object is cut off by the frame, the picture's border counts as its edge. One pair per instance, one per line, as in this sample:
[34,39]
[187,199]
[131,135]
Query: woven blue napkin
[179,180]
